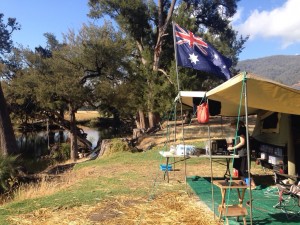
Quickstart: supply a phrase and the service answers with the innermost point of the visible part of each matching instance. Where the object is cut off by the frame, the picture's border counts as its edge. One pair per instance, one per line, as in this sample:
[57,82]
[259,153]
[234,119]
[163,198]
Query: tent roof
[187,96]
[262,94]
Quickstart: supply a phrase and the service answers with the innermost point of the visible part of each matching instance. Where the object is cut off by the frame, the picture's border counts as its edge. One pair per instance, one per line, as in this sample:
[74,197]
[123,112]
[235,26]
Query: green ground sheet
[264,198]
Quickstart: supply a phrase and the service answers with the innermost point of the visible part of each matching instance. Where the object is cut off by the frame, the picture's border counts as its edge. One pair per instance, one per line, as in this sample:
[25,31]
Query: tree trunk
[73,135]
[105,145]
[151,119]
[154,119]
[142,120]
[61,132]
[136,133]
[8,144]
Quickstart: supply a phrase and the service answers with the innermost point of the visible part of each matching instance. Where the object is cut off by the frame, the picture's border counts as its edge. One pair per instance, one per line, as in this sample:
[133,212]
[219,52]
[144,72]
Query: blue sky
[273,25]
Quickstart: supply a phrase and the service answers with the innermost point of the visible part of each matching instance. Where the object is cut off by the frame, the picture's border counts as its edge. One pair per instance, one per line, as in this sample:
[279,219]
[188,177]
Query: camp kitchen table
[168,155]
[232,210]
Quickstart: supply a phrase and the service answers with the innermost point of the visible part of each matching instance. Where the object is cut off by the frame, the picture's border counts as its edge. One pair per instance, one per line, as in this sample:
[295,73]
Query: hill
[281,68]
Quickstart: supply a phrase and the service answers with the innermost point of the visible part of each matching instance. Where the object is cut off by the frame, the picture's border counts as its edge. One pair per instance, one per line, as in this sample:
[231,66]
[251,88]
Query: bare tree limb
[166,75]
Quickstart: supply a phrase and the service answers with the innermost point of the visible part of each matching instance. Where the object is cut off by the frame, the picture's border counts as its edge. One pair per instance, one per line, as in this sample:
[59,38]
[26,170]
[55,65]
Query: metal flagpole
[178,87]
[181,112]
[248,146]
[175,50]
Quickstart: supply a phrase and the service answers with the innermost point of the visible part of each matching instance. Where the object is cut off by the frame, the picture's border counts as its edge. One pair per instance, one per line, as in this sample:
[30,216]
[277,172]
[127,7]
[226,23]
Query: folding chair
[289,198]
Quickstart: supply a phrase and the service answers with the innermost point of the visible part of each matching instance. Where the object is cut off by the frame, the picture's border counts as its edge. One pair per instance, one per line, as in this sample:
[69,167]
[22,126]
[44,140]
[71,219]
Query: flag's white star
[193,58]
[216,56]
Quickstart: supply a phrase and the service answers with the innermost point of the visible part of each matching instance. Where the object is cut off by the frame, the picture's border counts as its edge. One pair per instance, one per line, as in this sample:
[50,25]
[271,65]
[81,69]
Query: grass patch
[83,116]
[89,182]
[121,188]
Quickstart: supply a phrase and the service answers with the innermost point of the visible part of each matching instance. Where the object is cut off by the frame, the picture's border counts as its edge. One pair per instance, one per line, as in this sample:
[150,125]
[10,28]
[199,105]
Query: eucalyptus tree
[30,68]
[7,138]
[88,68]
[34,91]
[148,25]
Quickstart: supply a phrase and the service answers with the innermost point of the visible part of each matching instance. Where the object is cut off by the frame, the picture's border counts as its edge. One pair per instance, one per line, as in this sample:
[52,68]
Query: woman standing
[240,148]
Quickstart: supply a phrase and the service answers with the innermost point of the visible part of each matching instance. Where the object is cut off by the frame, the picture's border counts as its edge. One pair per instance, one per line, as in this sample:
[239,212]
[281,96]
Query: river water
[35,144]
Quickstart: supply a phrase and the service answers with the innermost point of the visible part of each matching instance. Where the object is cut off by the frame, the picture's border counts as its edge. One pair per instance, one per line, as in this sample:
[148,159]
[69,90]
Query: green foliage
[36,165]
[62,153]
[6,31]
[117,145]
[147,27]
[8,166]
[84,70]
[8,144]
[134,18]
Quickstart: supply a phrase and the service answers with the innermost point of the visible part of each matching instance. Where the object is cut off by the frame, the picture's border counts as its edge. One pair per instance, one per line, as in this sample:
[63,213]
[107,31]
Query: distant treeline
[281,68]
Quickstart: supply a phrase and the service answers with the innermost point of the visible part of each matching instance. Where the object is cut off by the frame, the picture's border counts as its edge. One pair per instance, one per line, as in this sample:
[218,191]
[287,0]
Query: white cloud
[282,22]
[237,16]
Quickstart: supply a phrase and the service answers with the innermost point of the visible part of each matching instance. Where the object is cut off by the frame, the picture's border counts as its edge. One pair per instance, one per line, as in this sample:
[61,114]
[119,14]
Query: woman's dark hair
[239,122]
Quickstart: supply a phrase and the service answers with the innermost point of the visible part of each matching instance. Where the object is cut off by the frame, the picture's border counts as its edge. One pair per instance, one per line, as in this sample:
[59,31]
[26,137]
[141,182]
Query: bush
[62,153]
[117,145]
[8,171]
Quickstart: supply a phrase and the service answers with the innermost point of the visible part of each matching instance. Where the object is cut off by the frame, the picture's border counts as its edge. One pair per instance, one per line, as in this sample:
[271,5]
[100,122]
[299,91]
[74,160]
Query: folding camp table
[168,155]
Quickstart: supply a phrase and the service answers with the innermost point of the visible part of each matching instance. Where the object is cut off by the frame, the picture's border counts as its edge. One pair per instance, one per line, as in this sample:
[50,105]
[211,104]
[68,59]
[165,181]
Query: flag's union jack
[184,36]
[193,52]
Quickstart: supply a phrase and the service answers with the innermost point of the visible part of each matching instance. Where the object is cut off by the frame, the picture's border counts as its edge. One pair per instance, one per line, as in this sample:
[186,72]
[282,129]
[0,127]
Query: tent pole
[211,171]
[248,146]
[175,124]
[183,141]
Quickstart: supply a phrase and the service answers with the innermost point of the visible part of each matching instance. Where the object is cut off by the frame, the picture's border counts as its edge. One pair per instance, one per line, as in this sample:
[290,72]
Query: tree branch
[166,75]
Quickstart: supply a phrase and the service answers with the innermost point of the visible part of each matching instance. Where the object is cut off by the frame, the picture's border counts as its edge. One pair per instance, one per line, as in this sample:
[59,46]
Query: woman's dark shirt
[241,132]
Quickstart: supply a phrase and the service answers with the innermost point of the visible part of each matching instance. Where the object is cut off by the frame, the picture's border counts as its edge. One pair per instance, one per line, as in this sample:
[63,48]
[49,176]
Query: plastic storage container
[184,149]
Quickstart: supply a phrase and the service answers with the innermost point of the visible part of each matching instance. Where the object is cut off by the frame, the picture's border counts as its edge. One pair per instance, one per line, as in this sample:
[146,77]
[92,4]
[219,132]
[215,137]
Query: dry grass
[169,208]
[50,184]
[45,187]
[166,203]
[84,115]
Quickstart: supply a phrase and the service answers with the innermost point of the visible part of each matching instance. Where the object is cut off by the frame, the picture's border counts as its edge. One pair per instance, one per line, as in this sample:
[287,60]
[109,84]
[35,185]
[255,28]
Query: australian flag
[195,53]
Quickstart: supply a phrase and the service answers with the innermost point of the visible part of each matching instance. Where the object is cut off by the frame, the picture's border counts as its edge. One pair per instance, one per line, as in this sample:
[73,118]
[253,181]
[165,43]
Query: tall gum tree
[136,20]
[8,143]
[74,72]
[148,24]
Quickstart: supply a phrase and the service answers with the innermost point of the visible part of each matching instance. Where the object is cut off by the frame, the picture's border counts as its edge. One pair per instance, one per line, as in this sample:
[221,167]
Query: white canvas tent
[186,97]
[261,94]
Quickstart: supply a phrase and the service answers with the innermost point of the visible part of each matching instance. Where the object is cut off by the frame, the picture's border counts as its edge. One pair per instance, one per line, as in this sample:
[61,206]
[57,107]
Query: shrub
[8,171]
[62,153]
[117,145]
